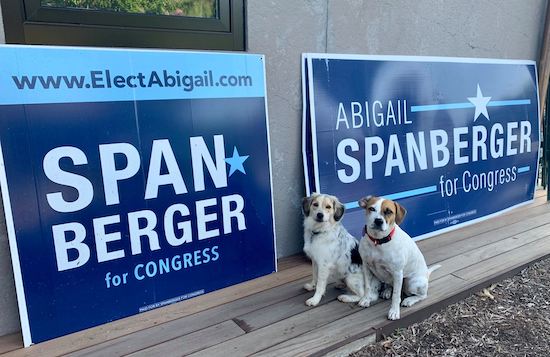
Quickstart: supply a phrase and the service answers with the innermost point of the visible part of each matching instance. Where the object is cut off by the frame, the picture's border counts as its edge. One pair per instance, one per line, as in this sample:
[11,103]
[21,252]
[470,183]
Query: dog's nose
[378,221]
[319,215]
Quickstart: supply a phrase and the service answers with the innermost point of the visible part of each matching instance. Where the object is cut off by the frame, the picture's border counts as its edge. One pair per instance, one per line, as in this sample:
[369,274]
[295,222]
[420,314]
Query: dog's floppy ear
[338,209]
[400,213]
[306,203]
[363,202]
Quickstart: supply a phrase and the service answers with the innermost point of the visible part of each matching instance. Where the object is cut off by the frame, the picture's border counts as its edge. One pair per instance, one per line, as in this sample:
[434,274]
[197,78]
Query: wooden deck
[268,317]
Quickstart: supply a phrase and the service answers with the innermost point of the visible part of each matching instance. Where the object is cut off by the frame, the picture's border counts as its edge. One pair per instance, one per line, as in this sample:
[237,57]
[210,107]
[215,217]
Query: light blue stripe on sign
[523,169]
[410,193]
[399,195]
[72,74]
[495,103]
[425,108]
[351,205]
[504,103]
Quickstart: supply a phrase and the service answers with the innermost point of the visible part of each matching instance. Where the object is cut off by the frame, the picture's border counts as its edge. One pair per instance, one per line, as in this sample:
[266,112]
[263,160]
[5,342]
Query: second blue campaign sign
[454,140]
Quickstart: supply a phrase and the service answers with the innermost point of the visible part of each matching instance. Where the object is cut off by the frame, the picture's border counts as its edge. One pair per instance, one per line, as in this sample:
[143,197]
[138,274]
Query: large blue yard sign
[131,180]
[454,140]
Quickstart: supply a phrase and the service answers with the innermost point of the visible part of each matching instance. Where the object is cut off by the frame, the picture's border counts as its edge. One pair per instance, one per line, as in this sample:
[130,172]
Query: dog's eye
[388,212]
[371,209]
[315,204]
[329,207]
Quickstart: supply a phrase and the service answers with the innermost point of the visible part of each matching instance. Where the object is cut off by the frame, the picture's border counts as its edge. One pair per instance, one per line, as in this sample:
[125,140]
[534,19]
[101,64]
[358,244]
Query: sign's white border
[12,237]
[311,56]
[14,250]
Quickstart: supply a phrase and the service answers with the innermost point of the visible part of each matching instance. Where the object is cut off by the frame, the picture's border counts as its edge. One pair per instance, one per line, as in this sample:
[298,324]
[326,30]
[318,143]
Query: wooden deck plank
[473,256]
[186,325]
[195,341]
[11,342]
[516,215]
[349,348]
[351,328]
[540,193]
[280,331]
[284,309]
[358,323]
[477,241]
[292,261]
[506,261]
[100,334]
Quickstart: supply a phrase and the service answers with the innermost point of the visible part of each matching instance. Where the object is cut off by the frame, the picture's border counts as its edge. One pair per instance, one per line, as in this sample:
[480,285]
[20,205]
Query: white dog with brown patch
[333,251]
[391,256]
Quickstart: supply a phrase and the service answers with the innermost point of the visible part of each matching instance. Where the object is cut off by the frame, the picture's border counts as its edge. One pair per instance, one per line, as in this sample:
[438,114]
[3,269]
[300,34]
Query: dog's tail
[432,269]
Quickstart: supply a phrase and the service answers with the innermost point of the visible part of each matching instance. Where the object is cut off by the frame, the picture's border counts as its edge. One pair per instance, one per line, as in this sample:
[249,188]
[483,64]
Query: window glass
[185,24]
[187,8]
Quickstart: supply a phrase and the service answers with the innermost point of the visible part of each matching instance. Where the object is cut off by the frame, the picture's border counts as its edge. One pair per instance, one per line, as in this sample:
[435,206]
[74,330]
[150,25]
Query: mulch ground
[510,318]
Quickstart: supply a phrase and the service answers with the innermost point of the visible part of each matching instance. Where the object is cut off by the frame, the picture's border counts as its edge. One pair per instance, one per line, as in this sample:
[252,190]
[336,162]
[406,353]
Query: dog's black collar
[386,239]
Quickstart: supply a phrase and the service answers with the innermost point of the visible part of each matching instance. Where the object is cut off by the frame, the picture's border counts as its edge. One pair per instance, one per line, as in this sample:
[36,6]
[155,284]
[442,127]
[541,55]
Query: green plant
[192,8]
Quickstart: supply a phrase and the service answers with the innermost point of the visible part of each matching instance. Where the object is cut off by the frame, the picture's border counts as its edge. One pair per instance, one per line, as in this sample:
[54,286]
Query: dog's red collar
[386,239]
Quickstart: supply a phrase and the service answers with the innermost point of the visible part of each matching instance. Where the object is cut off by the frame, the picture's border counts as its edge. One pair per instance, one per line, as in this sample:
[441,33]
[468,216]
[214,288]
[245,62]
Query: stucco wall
[467,28]
[2,37]
[283,29]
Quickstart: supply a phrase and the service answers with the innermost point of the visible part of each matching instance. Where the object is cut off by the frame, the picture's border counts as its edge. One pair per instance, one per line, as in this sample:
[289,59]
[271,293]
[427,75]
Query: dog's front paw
[393,314]
[309,286]
[410,301]
[312,301]
[386,293]
[340,285]
[346,298]
[365,301]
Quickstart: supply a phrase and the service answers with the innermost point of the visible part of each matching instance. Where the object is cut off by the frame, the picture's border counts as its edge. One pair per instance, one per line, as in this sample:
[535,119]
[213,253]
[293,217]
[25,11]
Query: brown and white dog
[391,256]
[333,251]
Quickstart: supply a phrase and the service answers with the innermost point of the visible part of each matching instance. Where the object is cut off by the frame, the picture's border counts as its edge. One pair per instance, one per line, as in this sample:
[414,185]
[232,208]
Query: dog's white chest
[378,261]
[380,269]
[319,247]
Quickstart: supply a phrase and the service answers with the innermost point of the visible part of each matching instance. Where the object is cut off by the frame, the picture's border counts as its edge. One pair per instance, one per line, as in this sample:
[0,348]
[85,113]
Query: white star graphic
[480,103]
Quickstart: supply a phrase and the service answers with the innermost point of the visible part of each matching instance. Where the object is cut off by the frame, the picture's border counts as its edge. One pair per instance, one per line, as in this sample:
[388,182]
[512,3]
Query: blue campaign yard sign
[131,179]
[454,140]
